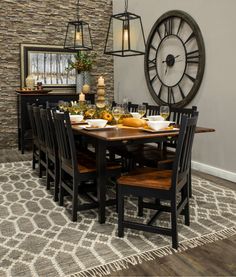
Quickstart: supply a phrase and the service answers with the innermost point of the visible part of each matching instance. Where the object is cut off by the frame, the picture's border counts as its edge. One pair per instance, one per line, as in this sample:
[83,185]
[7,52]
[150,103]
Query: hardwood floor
[215,259]
[13,155]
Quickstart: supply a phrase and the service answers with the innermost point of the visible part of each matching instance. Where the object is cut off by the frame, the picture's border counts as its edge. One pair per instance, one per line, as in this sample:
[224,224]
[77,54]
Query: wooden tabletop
[131,133]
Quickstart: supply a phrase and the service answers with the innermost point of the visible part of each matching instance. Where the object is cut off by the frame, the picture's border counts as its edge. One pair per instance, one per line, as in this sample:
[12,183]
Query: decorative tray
[78,123]
[88,128]
[33,91]
[160,131]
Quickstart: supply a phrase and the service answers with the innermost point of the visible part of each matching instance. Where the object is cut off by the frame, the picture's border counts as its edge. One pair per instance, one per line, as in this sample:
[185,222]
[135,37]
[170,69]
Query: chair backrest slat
[32,120]
[65,138]
[182,160]
[39,126]
[49,139]
[176,114]
[152,109]
[132,107]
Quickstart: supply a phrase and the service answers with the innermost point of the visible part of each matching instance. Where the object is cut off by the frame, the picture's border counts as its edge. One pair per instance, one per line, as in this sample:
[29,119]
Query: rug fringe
[125,263]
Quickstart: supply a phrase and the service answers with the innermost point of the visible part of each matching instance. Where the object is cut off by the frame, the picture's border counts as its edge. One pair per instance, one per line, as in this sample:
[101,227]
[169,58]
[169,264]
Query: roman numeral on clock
[193,56]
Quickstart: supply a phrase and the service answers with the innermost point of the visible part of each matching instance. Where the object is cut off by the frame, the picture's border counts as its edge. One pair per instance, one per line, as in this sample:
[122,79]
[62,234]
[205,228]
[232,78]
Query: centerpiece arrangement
[83,64]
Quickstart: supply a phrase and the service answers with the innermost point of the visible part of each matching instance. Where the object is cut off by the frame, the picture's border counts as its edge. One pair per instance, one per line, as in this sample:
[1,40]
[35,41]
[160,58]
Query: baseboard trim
[218,172]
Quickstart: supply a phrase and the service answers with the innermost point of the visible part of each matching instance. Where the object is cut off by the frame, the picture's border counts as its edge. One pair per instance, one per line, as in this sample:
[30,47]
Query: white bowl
[158,125]
[136,115]
[155,118]
[96,123]
[76,117]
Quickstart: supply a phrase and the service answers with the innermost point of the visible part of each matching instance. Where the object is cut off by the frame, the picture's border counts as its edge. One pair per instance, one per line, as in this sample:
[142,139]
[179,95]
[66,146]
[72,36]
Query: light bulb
[78,36]
[126,34]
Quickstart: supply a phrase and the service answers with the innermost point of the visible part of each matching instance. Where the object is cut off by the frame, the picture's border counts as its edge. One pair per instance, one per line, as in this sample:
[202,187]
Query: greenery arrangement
[83,62]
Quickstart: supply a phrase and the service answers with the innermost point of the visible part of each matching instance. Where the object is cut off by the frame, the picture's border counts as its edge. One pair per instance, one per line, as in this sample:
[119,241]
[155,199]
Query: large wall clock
[175,59]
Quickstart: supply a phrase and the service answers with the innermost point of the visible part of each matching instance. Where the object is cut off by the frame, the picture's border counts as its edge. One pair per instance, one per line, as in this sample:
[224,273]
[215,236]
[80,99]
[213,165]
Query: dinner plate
[160,131]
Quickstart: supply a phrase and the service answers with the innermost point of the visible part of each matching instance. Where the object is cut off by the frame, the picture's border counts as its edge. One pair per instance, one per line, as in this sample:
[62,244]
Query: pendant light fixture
[125,36]
[78,36]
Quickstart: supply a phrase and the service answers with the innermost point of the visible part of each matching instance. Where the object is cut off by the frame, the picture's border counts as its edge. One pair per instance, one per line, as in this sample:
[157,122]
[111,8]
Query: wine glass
[117,111]
[91,110]
[61,105]
[141,110]
[164,111]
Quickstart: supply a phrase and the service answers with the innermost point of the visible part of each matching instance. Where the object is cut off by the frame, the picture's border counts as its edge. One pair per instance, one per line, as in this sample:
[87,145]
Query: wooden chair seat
[147,178]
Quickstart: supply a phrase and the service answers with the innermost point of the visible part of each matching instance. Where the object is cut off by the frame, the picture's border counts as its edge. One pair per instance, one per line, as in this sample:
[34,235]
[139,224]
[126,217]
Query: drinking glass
[164,111]
[61,105]
[117,111]
[91,110]
[141,110]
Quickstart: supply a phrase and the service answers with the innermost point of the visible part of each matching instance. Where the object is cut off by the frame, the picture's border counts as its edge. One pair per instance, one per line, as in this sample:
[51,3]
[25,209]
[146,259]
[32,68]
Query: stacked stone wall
[44,22]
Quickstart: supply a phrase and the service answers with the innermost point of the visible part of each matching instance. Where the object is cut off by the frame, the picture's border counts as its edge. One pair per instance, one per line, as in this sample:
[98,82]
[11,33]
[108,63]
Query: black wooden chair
[35,142]
[163,155]
[161,184]
[152,109]
[52,159]
[41,140]
[132,107]
[76,168]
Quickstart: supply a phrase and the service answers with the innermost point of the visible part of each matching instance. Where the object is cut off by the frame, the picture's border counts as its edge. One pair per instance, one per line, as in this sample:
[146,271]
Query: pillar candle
[81,97]
[101,81]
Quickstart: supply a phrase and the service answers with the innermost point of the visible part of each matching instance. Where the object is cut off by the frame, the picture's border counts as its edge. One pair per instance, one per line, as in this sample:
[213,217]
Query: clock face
[175,59]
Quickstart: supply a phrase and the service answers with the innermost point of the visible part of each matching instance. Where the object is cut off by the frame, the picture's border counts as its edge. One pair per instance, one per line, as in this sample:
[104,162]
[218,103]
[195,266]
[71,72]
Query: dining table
[104,138]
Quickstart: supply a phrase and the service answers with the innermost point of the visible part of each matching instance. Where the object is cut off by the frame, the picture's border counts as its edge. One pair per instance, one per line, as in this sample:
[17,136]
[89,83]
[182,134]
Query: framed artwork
[48,64]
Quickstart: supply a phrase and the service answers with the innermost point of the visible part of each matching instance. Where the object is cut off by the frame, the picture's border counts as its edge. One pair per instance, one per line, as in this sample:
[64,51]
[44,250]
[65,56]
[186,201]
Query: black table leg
[101,179]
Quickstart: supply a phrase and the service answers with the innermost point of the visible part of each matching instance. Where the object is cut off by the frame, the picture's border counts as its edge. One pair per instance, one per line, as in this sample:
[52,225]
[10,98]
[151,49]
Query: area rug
[37,237]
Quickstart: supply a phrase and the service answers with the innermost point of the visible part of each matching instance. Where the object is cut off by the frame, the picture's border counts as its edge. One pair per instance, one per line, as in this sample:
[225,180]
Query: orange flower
[107,116]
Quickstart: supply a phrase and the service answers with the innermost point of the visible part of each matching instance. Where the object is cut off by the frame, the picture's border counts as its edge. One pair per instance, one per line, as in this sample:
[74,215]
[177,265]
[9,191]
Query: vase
[30,82]
[82,78]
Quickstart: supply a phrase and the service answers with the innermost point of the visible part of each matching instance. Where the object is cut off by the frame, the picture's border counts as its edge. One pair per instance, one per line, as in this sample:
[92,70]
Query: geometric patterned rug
[37,237]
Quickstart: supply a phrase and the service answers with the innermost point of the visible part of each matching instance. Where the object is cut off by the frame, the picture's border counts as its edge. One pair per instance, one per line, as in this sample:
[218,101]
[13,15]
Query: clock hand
[174,57]
[166,69]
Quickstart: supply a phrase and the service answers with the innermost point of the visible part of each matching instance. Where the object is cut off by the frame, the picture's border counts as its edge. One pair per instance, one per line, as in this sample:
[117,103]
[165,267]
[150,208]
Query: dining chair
[152,109]
[52,158]
[41,140]
[76,167]
[163,155]
[132,107]
[168,185]
[35,142]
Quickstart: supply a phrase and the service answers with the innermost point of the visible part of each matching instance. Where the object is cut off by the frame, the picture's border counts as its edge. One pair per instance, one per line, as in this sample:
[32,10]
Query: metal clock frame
[196,32]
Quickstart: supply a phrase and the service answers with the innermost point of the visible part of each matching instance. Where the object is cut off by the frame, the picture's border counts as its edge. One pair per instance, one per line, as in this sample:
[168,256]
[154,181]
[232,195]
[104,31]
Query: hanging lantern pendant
[78,35]
[125,36]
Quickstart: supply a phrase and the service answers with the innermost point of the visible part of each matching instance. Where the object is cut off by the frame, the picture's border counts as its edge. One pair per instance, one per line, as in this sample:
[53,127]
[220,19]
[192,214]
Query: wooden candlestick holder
[100,103]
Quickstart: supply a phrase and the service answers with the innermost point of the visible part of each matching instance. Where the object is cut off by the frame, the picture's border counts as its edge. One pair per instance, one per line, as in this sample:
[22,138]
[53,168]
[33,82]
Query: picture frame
[47,64]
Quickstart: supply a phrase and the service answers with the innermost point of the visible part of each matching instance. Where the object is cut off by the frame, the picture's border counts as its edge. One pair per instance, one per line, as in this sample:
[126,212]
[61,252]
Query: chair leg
[61,191]
[186,209]
[40,165]
[33,158]
[120,213]
[56,181]
[48,177]
[75,200]
[140,206]
[174,224]
[190,181]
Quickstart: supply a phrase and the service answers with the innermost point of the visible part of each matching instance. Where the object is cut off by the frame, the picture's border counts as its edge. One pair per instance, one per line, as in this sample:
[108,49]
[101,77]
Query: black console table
[24,128]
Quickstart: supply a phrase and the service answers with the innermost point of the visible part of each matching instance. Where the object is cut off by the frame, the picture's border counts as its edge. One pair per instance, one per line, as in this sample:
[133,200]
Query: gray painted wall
[216,98]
